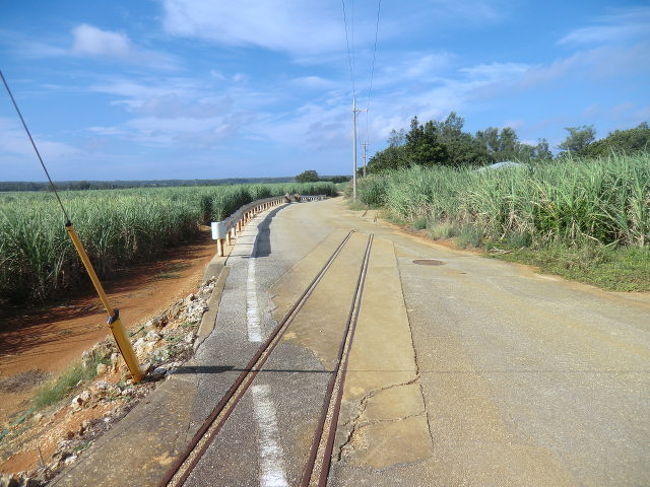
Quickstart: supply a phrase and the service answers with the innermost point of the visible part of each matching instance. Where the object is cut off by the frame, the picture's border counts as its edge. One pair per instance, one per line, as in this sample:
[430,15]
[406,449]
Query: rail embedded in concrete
[224,231]
[317,467]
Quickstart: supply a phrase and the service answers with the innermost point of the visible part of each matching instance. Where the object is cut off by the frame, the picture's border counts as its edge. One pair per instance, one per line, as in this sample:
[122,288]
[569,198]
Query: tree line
[311,176]
[445,143]
[123,184]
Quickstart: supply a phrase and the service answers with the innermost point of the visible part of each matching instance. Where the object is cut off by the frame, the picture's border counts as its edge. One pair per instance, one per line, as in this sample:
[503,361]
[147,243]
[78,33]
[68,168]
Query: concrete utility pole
[365,157]
[354,148]
[355,110]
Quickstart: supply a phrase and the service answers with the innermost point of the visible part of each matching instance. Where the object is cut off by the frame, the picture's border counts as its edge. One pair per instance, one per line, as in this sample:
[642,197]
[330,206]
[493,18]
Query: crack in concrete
[415,352]
[356,422]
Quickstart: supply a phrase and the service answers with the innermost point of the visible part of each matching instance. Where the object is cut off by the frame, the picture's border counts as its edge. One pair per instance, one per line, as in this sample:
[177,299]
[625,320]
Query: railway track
[317,466]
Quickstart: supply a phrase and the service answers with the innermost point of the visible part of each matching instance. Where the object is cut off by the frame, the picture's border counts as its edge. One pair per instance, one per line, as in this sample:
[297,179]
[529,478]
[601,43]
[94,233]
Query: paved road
[472,372]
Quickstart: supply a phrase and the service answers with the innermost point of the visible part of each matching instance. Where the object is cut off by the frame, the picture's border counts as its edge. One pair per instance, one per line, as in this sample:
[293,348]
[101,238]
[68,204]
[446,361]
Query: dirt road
[462,370]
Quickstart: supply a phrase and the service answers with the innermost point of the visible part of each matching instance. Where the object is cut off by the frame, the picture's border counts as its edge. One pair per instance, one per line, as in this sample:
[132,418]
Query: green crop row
[570,202]
[118,227]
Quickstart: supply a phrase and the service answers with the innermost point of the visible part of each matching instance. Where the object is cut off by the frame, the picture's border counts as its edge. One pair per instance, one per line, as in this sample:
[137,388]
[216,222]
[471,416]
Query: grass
[66,383]
[118,228]
[583,219]
[612,269]
[167,275]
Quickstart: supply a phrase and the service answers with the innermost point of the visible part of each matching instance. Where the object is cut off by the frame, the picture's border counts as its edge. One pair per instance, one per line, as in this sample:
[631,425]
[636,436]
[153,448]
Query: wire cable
[38,154]
[350,56]
[372,73]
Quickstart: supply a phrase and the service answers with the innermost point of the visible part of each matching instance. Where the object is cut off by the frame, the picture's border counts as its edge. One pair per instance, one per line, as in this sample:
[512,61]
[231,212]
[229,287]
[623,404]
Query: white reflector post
[218,230]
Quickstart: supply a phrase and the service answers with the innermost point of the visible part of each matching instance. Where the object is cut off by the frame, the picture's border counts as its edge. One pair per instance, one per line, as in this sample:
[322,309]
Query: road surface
[463,370]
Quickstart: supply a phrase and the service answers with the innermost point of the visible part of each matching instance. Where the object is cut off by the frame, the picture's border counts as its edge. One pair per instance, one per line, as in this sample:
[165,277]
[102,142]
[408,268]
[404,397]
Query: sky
[167,89]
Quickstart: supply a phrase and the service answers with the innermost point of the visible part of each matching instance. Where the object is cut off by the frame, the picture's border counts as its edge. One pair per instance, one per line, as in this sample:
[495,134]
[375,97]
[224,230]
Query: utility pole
[354,148]
[355,110]
[365,157]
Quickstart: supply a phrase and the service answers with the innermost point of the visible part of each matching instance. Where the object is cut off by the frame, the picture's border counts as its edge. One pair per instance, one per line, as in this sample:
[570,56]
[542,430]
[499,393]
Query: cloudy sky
[208,89]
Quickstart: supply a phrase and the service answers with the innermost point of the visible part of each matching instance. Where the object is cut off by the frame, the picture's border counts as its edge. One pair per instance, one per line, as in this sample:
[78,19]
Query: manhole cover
[428,262]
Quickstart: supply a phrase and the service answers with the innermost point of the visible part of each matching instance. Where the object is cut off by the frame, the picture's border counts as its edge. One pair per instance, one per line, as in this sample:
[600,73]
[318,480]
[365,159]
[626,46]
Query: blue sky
[209,89]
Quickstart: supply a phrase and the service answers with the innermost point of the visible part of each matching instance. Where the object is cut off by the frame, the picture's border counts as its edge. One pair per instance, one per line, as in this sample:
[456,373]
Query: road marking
[252,313]
[271,456]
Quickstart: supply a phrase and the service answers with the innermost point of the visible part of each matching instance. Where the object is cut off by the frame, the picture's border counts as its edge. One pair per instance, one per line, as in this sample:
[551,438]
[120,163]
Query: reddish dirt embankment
[49,339]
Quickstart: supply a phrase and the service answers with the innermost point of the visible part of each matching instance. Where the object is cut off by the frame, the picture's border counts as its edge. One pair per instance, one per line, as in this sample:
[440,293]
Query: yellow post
[123,343]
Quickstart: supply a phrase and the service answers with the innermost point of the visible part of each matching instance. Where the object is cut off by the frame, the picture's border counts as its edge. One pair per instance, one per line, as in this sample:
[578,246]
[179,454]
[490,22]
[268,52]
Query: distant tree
[422,145]
[309,176]
[509,144]
[462,148]
[578,140]
[542,151]
[393,157]
[336,179]
[490,139]
[397,138]
[629,141]
[503,145]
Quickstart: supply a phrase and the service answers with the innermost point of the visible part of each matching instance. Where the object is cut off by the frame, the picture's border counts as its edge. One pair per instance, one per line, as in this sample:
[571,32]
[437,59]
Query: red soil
[51,338]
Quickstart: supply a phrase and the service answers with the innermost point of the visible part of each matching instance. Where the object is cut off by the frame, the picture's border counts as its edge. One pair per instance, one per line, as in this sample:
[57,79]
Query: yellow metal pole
[117,328]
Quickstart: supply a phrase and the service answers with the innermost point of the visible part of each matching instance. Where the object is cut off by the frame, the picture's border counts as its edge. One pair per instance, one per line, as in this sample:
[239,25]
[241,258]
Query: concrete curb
[209,317]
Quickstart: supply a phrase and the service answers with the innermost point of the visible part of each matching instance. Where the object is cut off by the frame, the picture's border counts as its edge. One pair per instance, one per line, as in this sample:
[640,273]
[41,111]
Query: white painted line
[271,456]
[252,313]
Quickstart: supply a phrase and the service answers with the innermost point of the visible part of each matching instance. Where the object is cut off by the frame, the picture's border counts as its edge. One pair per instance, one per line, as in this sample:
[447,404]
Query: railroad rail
[317,466]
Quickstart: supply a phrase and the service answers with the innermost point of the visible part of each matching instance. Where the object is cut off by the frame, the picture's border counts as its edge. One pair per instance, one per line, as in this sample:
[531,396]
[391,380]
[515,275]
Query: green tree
[578,140]
[503,145]
[309,176]
[393,157]
[422,145]
[629,141]
[462,148]
[490,139]
[397,138]
[542,151]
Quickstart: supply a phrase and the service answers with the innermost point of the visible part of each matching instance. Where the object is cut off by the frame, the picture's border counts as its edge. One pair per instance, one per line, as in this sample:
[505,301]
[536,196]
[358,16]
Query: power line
[38,154]
[350,54]
[372,73]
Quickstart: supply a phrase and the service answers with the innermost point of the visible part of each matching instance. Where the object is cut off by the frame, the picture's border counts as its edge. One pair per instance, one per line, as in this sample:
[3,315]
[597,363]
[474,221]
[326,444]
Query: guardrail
[317,197]
[226,230]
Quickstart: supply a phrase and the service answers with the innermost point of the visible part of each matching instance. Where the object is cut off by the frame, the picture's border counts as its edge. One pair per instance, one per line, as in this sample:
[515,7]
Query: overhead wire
[38,154]
[372,74]
[351,63]
[114,321]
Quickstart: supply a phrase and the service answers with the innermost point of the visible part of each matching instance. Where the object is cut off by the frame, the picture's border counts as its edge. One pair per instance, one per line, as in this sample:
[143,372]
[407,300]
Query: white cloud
[13,140]
[496,72]
[170,111]
[91,41]
[621,25]
[294,26]
[314,82]
[473,10]
[602,62]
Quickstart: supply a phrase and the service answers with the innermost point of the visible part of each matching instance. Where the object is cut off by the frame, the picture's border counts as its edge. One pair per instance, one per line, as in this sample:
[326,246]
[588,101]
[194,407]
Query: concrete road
[472,372]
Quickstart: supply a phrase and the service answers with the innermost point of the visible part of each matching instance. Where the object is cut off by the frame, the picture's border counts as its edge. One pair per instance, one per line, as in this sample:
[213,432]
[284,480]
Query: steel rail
[188,459]
[333,402]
